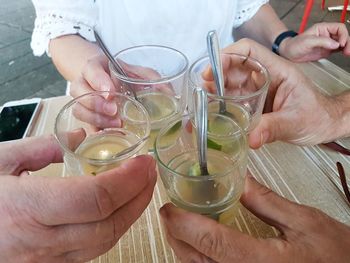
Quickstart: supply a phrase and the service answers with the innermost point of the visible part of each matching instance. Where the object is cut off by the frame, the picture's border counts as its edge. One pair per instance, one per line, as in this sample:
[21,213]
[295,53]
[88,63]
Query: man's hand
[319,41]
[297,112]
[74,219]
[307,234]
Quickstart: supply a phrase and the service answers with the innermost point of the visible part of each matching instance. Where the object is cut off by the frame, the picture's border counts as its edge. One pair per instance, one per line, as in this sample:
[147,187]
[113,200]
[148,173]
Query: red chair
[308,9]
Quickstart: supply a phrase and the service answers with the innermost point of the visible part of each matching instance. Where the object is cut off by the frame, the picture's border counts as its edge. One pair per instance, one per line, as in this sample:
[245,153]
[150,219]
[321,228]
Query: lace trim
[52,26]
[247,13]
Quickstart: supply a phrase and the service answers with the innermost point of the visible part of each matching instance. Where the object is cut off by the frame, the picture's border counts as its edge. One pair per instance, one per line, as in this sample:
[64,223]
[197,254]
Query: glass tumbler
[157,77]
[93,142]
[246,86]
[215,195]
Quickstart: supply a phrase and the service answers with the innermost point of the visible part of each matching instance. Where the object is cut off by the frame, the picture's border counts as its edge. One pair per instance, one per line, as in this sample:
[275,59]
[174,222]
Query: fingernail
[110,108]
[116,122]
[105,87]
[334,45]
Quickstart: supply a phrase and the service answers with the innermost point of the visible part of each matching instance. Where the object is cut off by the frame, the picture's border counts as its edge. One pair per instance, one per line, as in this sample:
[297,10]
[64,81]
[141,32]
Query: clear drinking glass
[215,195]
[157,75]
[98,143]
[246,85]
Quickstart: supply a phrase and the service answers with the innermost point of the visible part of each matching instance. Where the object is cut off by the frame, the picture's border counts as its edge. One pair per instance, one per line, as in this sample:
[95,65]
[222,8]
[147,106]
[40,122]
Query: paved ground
[22,75]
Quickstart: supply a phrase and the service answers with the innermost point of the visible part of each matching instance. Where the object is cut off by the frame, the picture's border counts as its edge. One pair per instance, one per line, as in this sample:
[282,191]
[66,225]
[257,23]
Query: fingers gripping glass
[338,148]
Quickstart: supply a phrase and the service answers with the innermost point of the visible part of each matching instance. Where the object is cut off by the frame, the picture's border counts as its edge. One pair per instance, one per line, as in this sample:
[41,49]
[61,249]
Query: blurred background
[24,76]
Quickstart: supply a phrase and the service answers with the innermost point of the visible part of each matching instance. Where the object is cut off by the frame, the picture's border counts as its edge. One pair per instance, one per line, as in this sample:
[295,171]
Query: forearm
[70,53]
[343,109]
[263,27]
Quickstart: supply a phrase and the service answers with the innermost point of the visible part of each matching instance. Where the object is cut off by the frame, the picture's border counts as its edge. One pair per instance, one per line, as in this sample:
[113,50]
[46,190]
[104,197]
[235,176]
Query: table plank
[305,175]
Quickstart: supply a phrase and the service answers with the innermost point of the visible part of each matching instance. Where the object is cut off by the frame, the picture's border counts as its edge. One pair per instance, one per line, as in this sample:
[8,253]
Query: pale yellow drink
[161,108]
[235,111]
[98,150]
[214,196]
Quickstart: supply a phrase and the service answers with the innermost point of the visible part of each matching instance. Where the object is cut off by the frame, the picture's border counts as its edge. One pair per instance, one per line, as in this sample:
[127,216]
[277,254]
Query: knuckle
[75,86]
[265,192]
[211,243]
[194,258]
[68,259]
[36,255]
[246,41]
[51,138]
[103,200]
[312,218]
[77,112]
[119,225]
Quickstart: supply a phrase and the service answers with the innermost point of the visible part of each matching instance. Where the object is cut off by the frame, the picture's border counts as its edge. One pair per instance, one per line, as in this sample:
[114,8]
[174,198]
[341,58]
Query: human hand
[74,219]
[291,103]
[307,234]
[319,41]
[101,111]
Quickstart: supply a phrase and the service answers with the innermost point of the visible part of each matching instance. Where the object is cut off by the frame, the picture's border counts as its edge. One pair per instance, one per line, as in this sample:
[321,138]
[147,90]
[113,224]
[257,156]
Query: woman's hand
[307,234]
[319,41]
[102,111]
[72,219]
[95,76]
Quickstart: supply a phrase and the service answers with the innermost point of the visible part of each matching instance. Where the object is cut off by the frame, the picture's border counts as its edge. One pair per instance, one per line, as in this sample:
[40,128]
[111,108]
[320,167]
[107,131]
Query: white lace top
[181,24]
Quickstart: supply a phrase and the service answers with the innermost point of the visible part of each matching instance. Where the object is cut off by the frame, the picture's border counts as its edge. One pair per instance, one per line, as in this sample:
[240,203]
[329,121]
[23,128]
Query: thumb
[29,154]
[271,127]
[322,42]
[267,205]
[206,236]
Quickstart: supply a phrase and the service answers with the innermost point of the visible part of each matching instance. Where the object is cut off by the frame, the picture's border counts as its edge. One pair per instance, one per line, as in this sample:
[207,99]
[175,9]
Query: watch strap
[280,38]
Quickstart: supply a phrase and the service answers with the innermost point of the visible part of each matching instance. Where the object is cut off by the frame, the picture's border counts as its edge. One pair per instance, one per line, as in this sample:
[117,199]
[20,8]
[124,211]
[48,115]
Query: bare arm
[263,27]
[70,54]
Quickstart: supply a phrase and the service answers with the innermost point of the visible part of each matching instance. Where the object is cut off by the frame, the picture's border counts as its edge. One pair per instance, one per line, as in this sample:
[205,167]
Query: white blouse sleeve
[246,9]
[56,18]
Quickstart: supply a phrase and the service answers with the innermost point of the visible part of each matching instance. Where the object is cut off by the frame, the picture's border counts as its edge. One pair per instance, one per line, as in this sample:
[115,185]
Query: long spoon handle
[114,62]
[216,65]
[201,119]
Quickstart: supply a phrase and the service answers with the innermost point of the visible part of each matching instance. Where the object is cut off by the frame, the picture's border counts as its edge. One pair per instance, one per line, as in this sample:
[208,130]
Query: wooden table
[305,175]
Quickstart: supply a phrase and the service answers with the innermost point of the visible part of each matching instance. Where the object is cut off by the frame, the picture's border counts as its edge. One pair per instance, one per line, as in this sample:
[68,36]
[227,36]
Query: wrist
[284,47]
[281,40]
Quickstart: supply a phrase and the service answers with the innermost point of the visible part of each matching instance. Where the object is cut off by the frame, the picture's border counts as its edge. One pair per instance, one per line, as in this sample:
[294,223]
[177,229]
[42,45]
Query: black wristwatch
[280,38]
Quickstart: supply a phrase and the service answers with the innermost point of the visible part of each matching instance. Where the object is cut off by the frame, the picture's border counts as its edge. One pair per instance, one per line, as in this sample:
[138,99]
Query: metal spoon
[201,120]
[216,65]
[110,155]
[117,67]
[130,149]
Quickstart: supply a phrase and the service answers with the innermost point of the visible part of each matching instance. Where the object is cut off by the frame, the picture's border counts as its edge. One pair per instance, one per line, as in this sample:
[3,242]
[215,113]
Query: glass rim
[236,97]
[140,141]
[195,178]
[156,81]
